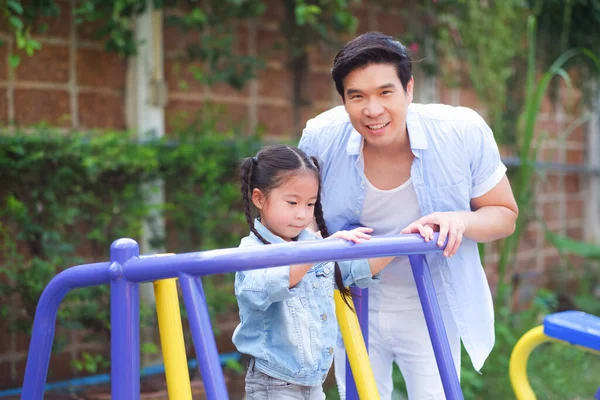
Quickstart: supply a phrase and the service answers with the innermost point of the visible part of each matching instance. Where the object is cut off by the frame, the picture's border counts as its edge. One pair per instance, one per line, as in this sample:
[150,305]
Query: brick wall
[73,83]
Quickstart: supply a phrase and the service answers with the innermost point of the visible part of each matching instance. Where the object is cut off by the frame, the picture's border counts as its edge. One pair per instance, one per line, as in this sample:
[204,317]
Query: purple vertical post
[435,325]
[40,347]
[125,324]
[204,339]
[361,305]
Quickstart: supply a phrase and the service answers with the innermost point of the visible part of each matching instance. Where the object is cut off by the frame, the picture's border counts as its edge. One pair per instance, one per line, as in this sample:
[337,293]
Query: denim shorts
[260,386]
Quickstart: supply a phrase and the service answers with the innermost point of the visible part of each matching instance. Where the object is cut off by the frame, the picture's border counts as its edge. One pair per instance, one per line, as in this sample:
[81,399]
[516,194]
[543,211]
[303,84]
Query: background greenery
[65,197]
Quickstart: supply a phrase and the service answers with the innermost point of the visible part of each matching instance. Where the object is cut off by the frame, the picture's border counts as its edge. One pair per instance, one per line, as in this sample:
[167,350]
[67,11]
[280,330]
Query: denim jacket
[291,332]
[456,159]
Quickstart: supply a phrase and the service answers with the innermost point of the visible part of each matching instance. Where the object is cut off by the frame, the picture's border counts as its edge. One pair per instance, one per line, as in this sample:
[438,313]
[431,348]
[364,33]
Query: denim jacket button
[316,285]
[330,350]
[324,317]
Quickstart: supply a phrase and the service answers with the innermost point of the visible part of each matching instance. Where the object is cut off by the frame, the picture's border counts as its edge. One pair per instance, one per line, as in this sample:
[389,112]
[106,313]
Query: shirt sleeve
[358,273]
[259,288]
[308,143]
[486,165]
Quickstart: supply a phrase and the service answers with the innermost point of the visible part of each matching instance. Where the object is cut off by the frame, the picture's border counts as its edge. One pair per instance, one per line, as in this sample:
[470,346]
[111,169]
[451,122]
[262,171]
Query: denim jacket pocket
[324,273]
[295,303]
[297,319]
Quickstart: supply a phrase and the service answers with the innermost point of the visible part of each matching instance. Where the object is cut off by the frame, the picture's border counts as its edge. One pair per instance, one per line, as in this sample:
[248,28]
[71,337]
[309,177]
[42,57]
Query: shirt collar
[272,238]
[417,138]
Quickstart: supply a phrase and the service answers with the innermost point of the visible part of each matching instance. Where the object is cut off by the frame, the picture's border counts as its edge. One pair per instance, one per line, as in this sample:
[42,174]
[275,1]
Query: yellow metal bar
[171,339]
[356,350]
[518,362]
[520,354]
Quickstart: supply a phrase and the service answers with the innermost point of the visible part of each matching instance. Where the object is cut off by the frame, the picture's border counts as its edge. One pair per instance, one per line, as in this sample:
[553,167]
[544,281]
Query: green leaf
[14,60]
[149,348]
[306,13]
[565,244]
[16,22]
[20,39]
[15,6]
[77,365]
[32,46]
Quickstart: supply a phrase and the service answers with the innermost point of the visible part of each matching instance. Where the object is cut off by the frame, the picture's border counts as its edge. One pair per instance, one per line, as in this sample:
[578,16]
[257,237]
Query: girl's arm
[357,235]
[259,288]
[297,272]
[364,273]
[361,234]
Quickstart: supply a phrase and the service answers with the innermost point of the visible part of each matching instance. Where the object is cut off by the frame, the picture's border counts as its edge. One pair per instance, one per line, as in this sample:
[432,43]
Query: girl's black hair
[271,168]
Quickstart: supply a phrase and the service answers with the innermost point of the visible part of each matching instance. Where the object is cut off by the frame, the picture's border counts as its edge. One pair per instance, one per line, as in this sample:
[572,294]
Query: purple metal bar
[44,322]
[239,259]
[125,324]
[435,325]
[204,339]
[361,305]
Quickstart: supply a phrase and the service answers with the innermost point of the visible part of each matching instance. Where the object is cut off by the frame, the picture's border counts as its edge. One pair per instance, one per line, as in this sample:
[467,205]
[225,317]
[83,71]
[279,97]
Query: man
[388,164]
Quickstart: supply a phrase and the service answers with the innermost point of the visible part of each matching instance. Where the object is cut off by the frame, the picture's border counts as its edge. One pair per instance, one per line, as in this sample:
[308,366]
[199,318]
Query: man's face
[377,103]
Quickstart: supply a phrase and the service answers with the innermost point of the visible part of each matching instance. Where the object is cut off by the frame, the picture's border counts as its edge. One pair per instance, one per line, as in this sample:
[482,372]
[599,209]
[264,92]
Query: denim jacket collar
[272,238]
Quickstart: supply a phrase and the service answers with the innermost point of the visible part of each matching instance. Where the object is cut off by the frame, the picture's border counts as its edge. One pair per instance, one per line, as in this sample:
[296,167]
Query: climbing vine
[306,23]
[482,44]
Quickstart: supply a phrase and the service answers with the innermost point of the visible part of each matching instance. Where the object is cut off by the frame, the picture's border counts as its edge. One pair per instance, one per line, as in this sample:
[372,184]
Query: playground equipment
[571,327]
[127,269]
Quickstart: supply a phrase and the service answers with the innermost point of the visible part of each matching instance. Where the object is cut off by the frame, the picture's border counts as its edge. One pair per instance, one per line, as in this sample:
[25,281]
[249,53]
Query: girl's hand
[357,235]
[426,231]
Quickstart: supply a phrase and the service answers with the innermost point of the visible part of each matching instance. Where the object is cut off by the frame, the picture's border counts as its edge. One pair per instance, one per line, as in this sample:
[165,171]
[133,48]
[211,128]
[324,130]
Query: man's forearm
[490,223]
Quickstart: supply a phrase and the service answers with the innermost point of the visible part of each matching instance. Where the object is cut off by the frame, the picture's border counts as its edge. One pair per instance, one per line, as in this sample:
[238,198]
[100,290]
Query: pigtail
[248,167]
[339,281]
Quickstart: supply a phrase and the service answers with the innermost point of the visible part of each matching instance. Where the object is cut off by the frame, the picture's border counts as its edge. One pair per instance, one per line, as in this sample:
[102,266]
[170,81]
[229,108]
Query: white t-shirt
[388,212]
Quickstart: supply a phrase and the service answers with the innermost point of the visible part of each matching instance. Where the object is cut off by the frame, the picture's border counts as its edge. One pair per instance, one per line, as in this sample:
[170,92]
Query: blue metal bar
[74,385]
[40,347]
[125,324]
[204,339]
[360,298]
[435,325]
[241,259]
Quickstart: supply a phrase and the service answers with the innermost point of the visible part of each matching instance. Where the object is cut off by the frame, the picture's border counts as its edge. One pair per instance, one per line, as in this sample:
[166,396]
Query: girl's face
[289,208]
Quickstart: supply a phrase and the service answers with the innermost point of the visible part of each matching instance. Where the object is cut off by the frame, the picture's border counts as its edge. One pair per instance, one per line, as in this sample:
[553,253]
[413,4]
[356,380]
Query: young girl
[288,325]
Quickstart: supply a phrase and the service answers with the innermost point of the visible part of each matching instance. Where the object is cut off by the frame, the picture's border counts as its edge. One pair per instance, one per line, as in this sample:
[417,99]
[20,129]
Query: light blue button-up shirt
[291,332]
[456,159]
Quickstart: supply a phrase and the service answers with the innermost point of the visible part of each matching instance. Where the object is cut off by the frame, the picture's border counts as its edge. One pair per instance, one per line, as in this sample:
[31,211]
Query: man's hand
[451,225]
[493,216]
